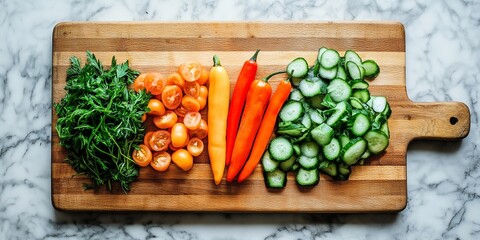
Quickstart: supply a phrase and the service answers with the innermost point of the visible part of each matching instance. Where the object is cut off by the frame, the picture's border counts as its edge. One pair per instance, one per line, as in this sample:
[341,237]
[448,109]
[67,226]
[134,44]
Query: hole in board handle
[453,120]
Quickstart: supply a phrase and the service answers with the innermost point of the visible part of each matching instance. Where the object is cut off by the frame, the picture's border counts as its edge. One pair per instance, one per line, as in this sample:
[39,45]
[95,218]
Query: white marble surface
[443,64]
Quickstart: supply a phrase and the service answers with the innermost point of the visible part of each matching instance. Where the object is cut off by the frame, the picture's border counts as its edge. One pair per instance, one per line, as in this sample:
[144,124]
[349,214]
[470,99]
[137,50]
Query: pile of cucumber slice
[330,121]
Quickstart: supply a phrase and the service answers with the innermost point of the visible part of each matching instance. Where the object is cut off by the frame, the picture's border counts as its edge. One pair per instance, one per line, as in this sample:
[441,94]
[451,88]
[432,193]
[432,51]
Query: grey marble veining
[443,64]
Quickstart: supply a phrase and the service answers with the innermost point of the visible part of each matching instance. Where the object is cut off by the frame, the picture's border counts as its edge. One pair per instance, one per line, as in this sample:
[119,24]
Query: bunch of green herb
[99,121]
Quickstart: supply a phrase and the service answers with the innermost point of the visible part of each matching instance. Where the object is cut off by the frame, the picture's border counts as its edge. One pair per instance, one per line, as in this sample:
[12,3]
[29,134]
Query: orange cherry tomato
[179,135]
[172,147]
[204,76]
[195,146]
[190,71]
[160,140]
[183,159]
[172,96]
[142,156]
[201,132]
[175,79]
[166,121]
[161,161]
[156,107]
[139,83]
[181,111]
[192,120]
[202,97]
[154,83]
[191,103]
[144,117]
[192,89]
[146,138]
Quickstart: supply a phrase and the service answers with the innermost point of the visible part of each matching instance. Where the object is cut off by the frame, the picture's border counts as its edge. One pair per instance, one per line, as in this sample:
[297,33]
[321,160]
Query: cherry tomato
[166,121]
[139,83]
[201,132]
[146,138]
[179,135]
[195,146]
[192,120]
[172,96]
[175,79]
[181,111]
[204,76]
[160,140]
[202,97]
[154,83]
[190,103]
[161,161]
[156,107]
[142,156]
[192,89]
[172,147]
[144,117]
[190,71]
[183,159]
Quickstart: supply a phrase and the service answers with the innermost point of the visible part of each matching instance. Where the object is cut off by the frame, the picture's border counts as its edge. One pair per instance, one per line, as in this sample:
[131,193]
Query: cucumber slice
[331,151]
[309,149]
[275,179]
[320,53]
[339,90]
[379,103]
[280,149]
[316,101]
[329,168]
[353,70]
[310,88]
[328,73]
[296,95]
[298,68]
[306,177]
[359,124]
[352,56]
[377,141]
[359,84]
[268,164]
[371,68]
[288,164]
[341,73]
[352,152]
[291,111]
[316,116]
[341,110]
[329,59]
[361,94]
[308,162]
[322,134]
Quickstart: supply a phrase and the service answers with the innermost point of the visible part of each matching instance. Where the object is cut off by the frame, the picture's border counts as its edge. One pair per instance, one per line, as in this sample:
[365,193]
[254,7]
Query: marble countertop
[443,177]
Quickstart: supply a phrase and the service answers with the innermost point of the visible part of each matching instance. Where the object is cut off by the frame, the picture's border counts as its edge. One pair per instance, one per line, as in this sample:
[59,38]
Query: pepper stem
[273,74]
[254,57]
[216,61]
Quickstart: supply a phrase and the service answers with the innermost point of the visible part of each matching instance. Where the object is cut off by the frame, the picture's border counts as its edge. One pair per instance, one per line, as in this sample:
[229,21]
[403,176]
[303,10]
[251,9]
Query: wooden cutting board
[380,185]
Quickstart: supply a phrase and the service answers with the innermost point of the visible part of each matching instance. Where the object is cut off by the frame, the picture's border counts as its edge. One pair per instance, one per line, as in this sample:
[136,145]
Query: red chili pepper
[244,80]
[266,128]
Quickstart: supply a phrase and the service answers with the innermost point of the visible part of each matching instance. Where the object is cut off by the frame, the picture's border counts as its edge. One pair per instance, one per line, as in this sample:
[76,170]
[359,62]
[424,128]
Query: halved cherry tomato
[139,83]
[195,146]
[202,97]
[204,76]
[192,89]
[156,107]
[160,140]
[201,132]
[165,121]
[179,135]
[181,111]
[175,79]
[144,117]
[161,161]
[192,120]
[183,159]
[142,156]
[172,147]
[154,83]
[191,103]
[190,71]
[146,138]
[172,96]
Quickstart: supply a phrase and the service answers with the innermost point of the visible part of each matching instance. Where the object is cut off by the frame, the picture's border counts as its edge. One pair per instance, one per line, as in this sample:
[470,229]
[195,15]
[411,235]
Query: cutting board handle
[436,121]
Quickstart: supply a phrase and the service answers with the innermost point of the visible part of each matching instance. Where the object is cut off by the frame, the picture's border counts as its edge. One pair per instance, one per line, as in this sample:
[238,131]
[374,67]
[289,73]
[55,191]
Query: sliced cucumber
[322,134]
[296,95]
[329,59]
[359,84]
[379,103]
[316,101]
[306,121]
[268,164]
[316,116]
[359,124]
[306,177]
[298,68]
[329,168]
[339,90]
[275,179]
[352,56]
[331,151]
[310,88]
[288,164]
[309,149]
[377,141]
[362,94]
[371,68]
[341,110]
[353,70]
[291,111]
[320,53]
[308,162]
[328,73]
[280,149]
[352,152]
[341,73]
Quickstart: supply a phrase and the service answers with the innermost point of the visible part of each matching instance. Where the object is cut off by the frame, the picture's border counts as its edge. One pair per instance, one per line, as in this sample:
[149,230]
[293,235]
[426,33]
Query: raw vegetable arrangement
[330,121]
[320,118]
[175,108]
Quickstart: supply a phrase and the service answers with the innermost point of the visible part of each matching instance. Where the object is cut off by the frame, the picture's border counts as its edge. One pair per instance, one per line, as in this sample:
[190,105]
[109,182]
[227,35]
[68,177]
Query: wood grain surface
[380,185]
